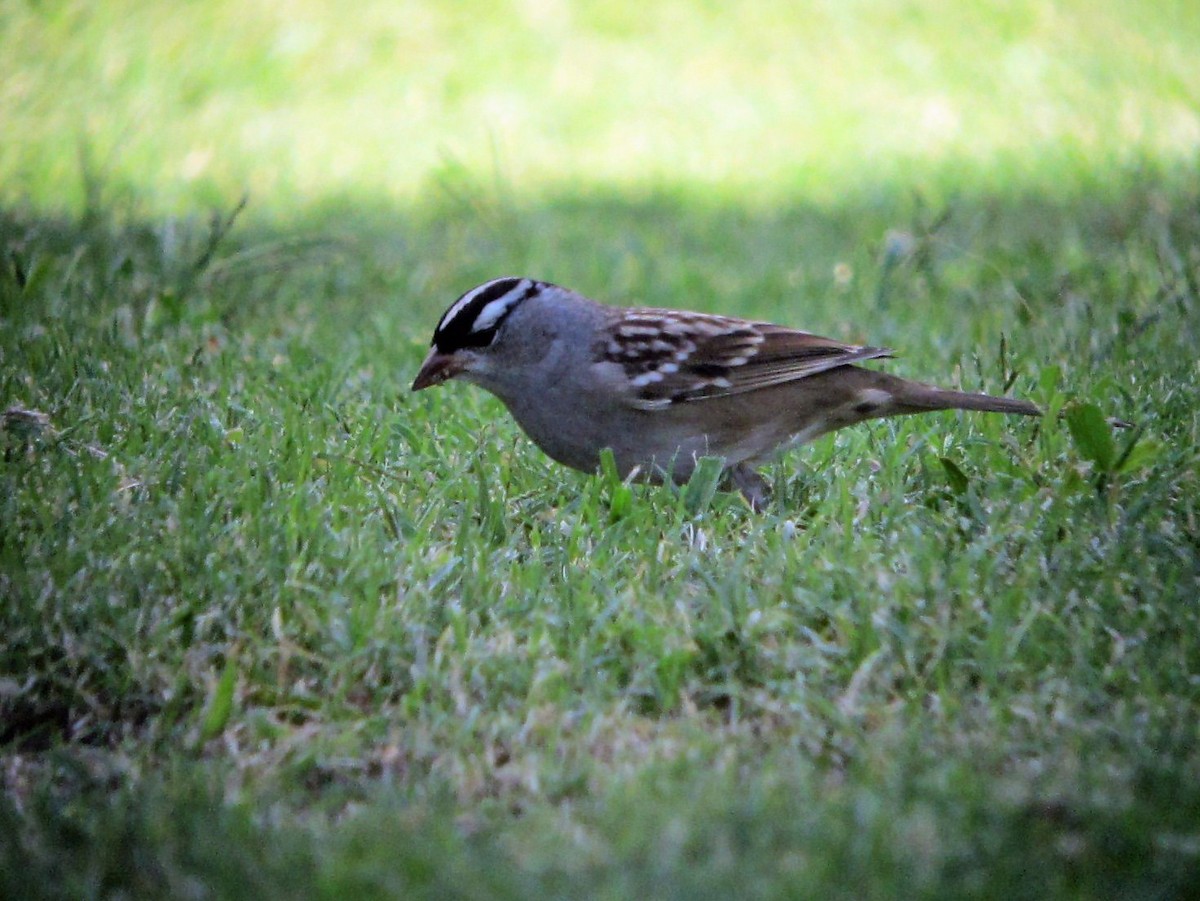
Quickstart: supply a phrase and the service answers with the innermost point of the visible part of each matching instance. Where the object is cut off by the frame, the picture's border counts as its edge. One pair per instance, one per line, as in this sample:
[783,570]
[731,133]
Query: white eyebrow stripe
[458,305]
[506,300]
[494,310]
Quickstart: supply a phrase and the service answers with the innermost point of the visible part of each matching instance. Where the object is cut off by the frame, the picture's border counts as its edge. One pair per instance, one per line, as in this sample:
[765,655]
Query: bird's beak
[437,368]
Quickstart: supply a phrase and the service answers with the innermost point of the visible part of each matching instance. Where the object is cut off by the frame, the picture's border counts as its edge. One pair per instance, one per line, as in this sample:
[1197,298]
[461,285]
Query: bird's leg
[753,486]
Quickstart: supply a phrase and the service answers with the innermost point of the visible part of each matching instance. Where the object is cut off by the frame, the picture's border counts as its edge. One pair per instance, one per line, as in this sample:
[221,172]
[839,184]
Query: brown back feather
[674,356]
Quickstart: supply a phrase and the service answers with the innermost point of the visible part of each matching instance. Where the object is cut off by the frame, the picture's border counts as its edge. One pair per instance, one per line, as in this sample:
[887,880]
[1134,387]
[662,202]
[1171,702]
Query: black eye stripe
[474,319]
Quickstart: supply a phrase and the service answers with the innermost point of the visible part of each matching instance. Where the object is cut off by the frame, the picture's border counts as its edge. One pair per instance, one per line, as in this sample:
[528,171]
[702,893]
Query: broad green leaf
[1092,435]
[956,478]
[1138,454]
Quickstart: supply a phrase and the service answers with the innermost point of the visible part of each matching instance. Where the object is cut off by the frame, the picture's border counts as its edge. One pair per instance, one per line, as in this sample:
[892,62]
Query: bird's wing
[672,357]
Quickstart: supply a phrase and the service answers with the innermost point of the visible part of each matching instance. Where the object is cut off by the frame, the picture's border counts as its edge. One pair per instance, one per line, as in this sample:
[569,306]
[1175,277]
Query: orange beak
[437,368]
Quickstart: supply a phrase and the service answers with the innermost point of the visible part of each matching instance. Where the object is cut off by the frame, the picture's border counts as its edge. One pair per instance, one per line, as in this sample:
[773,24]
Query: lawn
[273,626]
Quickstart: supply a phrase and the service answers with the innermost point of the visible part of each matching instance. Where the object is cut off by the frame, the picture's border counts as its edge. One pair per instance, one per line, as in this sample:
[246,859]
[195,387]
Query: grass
[274,625]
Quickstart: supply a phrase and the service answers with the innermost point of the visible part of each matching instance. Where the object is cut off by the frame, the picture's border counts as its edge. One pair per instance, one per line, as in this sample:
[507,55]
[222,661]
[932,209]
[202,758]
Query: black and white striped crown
[473,319]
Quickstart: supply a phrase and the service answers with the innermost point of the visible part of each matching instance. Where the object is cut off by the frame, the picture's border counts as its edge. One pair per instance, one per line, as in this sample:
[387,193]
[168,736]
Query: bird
[663,388]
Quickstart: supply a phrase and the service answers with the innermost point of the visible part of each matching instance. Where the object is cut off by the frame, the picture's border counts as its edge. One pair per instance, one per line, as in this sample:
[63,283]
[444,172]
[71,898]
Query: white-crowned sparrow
[662,388]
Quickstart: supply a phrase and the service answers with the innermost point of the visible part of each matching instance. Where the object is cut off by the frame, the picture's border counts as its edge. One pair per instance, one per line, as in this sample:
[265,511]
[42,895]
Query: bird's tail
[917,398]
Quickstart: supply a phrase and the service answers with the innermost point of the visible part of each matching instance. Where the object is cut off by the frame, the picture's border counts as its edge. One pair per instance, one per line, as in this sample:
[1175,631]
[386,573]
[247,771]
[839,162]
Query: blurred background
[302,103]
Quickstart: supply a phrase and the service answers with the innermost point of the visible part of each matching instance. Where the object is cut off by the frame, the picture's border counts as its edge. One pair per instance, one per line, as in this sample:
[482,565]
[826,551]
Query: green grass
[273,625]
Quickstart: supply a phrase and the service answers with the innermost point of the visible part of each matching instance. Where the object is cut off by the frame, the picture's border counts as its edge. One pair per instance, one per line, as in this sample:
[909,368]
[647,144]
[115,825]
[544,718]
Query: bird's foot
[753,486]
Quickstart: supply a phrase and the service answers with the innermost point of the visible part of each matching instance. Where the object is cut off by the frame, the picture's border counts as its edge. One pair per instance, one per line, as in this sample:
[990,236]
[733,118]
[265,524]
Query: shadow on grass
[886,252]
[1102,284]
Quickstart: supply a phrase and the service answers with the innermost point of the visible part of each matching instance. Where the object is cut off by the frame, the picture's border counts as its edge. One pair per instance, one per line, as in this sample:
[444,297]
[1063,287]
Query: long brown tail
[917,397]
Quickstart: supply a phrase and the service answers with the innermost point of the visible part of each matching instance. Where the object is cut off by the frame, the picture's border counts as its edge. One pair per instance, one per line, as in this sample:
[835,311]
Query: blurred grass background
[272,624]
[299,102]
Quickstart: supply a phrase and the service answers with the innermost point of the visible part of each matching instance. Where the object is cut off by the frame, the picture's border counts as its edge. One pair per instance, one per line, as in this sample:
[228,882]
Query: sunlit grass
[199,102]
